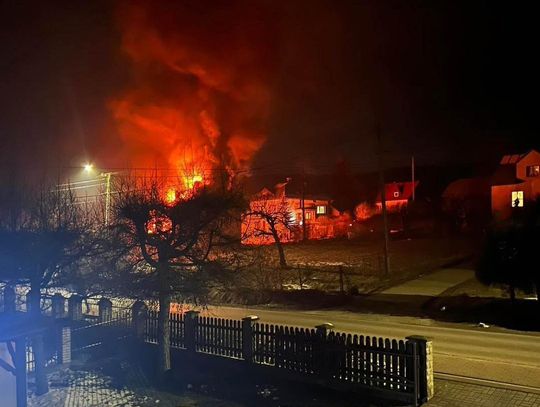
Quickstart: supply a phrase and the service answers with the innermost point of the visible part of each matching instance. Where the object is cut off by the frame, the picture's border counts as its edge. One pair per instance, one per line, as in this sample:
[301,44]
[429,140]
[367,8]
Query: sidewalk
[432,284]
[116,384]
[449,393]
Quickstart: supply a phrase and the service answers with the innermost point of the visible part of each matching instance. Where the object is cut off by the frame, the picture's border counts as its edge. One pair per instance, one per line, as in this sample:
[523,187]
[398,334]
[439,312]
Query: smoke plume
[199,97]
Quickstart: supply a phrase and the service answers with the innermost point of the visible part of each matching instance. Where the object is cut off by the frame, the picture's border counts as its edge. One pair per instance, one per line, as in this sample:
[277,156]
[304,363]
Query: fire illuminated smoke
[199,98]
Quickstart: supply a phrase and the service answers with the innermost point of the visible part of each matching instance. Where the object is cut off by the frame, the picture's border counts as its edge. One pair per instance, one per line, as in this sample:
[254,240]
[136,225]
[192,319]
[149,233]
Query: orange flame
[192,106]
[170,196]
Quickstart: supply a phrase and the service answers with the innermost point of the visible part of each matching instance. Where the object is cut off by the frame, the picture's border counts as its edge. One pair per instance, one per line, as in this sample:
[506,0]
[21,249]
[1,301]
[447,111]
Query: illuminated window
[308,215]
[517,199]
[396,194]
[321,209]
[533,170]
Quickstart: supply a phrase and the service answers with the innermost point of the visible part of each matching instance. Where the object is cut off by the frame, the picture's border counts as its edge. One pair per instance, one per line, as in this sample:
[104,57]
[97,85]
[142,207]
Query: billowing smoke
[199,97]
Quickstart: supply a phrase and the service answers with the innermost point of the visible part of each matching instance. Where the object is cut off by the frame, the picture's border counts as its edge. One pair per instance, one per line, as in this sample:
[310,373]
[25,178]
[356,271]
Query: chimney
[280,188]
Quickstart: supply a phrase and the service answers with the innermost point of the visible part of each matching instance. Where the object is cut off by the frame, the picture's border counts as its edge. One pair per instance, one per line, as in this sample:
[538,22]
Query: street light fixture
[88,168]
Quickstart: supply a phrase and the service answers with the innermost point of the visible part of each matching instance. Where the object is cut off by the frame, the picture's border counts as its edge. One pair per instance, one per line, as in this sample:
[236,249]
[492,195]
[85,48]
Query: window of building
[396,194]
[533,170]
[308,215]
[517,199]
[321,210]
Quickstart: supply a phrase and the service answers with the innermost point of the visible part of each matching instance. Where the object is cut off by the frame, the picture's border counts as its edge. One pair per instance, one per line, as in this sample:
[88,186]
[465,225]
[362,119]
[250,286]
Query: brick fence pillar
[58,306]
[75,307]
[248,339]
[191,321]
[64,345]
[424,347]
[139,313]
[105,310]
[10,299]
[29,296]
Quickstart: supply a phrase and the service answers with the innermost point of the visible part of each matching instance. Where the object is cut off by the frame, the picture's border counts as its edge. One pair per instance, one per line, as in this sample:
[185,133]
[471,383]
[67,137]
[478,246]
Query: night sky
[450,82]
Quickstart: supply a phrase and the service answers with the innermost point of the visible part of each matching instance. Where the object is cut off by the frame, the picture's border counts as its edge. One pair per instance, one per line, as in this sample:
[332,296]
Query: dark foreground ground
[121,382]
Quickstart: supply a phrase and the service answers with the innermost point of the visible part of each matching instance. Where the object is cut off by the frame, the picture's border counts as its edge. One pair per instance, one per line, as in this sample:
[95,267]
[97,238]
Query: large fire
[199,98]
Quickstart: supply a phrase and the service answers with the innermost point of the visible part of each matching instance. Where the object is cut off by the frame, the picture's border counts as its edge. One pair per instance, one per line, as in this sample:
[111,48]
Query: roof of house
[398,191]
[512,159]
[505,174]
[309,197]
[266,193]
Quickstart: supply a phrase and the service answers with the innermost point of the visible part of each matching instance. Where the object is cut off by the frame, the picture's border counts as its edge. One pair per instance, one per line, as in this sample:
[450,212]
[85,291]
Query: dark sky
[446,81]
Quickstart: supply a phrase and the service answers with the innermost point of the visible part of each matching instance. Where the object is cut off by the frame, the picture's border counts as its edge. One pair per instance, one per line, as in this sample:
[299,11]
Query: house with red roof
[397,195]
[515,184]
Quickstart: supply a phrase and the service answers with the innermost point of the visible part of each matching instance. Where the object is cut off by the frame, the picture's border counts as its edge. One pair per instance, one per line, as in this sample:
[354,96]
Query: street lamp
[89,169]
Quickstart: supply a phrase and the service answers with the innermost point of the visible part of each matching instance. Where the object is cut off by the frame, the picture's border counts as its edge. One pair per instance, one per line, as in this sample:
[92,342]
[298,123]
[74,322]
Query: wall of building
[501,198]
[533,158]
[394,206]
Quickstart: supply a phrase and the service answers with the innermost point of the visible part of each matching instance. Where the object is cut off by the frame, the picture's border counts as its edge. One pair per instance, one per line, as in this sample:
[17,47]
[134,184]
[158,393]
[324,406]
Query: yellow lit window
[308,215]
[517,199]
[321,209]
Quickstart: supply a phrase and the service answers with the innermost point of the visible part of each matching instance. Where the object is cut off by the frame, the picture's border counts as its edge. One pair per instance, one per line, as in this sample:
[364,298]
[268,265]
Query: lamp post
[107,176]
[89,169]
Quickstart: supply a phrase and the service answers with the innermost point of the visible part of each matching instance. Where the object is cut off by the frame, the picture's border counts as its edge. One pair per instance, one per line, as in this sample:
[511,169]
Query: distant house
[323,221]
[515,184]
[397,195]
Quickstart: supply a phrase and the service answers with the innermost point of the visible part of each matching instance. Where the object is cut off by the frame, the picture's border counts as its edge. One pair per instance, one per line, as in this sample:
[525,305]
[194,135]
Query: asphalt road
[481,353]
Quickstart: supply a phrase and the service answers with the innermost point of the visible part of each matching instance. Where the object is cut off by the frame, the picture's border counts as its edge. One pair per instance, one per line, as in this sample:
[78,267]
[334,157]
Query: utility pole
[303,203]
[412,177]
[383,201]
[107,176]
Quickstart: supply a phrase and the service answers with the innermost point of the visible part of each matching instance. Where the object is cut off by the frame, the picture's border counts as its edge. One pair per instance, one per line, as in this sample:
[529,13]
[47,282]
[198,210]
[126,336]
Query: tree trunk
[164,333]
[281,252]
[282,261]
[34,301]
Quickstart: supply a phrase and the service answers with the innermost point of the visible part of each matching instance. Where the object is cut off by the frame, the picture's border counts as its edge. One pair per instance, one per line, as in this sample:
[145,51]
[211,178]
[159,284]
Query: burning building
[286,212]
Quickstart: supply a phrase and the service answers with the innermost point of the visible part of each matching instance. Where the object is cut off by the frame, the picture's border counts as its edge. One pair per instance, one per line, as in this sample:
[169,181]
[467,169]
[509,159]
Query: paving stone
[449,393]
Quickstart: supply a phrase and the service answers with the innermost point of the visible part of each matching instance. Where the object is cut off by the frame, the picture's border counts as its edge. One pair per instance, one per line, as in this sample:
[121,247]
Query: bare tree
[174,248]
[271,217]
